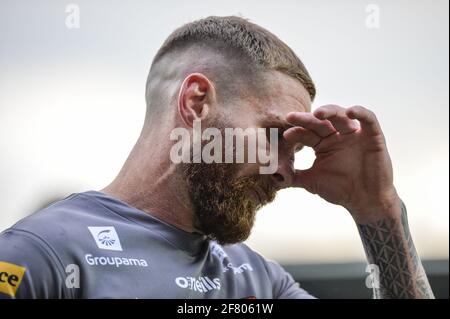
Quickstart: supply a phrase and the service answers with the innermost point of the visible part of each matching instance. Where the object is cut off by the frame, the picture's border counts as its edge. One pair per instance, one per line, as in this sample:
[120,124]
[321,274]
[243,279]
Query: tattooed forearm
[388,244]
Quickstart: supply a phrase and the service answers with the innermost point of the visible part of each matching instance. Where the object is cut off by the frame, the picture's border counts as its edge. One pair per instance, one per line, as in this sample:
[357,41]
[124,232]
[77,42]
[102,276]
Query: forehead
[284,94]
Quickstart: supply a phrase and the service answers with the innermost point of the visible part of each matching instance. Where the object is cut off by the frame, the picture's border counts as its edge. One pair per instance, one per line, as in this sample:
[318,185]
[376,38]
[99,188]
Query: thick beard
[224,208]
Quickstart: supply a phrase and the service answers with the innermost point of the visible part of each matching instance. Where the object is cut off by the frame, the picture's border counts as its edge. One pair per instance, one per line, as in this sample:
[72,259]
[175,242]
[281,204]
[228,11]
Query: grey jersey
[91,245]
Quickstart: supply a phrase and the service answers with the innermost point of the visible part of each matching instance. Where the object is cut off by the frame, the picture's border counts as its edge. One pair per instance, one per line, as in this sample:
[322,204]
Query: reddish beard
[225,206]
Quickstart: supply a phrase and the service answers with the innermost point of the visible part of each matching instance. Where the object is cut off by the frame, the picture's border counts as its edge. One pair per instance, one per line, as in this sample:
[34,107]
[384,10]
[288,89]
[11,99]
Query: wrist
[388,206]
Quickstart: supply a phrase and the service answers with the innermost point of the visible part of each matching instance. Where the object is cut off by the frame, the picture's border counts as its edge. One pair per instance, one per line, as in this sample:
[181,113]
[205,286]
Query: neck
[150,182]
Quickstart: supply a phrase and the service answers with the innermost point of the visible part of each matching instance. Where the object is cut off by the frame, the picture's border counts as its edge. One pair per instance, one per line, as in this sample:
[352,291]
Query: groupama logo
[106,237]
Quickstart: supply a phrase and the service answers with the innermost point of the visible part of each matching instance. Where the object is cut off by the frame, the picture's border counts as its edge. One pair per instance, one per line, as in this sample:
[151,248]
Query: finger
[305,179]
[368,119]
[337,116]
[322,128]
[298,134]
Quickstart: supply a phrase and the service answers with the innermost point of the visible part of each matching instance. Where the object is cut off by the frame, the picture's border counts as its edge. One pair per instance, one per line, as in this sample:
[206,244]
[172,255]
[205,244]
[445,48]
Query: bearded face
[224,202]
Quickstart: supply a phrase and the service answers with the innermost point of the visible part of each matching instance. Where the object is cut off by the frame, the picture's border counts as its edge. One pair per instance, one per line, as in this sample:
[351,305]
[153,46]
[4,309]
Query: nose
[284,175]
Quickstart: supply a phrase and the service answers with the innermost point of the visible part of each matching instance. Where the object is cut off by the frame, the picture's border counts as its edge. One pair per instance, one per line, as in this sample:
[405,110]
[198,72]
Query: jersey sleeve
[29,268]
[284,286]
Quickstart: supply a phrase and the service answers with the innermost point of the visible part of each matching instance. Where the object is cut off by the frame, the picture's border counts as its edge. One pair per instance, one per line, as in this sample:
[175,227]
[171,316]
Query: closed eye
[281,131]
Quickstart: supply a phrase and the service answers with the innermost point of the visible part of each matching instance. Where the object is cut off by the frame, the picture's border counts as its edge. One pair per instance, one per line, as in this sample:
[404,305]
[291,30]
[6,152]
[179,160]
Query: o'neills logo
[201,284]
[114,261]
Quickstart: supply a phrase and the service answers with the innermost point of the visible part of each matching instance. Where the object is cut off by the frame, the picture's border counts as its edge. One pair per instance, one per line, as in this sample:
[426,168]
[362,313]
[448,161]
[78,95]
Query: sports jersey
[91,245]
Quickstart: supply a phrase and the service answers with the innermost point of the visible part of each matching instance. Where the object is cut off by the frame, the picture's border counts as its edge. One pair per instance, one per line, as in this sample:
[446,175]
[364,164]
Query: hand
[352,166]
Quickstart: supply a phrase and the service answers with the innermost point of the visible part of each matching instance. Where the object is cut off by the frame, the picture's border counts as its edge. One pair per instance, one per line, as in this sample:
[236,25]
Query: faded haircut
[233,52]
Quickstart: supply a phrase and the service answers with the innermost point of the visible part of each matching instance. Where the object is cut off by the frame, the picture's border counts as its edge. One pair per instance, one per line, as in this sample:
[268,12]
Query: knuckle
[358,108]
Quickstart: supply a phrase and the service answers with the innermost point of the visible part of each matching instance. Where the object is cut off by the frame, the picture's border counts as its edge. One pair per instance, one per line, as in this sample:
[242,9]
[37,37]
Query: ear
[196,96]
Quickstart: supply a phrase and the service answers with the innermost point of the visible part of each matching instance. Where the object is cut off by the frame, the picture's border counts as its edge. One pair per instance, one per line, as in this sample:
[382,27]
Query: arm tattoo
[388,244]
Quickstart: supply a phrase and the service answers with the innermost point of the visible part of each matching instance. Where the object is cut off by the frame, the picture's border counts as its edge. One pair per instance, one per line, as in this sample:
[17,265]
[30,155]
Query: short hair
[245,46]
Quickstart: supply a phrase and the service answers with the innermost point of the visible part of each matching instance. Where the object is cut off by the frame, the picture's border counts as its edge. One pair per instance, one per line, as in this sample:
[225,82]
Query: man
[171,228]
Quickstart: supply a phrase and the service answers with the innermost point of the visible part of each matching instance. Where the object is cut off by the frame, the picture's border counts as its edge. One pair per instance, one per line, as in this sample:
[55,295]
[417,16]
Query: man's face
[226,196]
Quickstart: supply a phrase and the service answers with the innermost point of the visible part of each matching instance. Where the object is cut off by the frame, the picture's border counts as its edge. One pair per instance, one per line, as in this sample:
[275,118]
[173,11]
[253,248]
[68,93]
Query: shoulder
[72,210]
[283,284]
[61,228]
[37,249]
[66,220]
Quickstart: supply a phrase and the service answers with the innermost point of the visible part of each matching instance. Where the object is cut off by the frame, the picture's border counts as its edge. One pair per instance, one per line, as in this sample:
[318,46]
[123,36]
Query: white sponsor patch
[106,237]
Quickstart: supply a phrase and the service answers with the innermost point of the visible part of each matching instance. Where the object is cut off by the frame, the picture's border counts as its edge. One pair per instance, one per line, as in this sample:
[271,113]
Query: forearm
[389,246]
